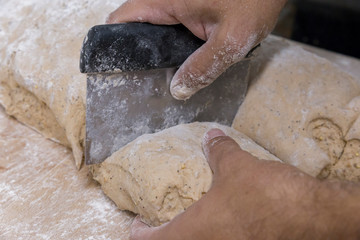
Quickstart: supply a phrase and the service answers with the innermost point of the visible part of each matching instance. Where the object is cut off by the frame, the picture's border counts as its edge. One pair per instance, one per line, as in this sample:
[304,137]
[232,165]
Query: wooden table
[43,195]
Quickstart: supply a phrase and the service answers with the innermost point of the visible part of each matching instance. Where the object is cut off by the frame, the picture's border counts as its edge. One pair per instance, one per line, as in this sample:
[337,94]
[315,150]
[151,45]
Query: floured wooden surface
[44,196]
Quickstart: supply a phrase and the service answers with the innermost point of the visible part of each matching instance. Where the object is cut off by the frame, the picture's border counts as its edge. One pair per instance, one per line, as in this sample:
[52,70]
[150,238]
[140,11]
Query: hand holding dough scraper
[129,68]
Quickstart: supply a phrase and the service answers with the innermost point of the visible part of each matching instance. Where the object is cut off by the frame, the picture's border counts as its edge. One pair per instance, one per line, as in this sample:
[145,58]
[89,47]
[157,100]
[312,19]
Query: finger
[155,12]
[206,64]
[140,230]
[223,153]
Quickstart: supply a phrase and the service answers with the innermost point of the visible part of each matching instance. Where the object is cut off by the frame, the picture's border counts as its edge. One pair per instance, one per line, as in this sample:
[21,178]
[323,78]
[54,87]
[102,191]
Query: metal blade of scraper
[121,106]
[127,105]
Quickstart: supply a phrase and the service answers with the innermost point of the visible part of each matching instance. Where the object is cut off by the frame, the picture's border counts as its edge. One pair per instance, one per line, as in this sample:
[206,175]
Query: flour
[40,183]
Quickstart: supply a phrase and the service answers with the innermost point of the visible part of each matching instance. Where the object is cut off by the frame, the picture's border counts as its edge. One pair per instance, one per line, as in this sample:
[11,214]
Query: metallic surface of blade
[124,106]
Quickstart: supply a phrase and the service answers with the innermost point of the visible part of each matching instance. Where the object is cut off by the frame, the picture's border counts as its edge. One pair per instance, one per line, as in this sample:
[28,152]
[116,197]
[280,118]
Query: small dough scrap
[294,100]
[160,175]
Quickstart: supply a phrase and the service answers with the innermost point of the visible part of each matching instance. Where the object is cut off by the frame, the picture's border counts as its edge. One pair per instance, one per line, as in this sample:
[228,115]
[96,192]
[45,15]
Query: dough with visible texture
[160,175]
[300,107]
[40,81]
[303,109]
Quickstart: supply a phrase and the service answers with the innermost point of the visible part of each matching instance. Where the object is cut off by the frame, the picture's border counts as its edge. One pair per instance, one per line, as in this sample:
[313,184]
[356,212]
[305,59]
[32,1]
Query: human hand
[259,199]
[231,28]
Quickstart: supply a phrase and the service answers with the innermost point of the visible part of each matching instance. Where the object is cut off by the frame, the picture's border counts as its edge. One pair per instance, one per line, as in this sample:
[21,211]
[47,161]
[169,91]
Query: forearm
[327,210]
[339,206]
[330,211]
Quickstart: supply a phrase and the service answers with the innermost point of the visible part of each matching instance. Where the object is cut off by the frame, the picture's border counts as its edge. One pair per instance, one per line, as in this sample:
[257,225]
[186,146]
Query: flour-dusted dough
[300,107]
[160,175]
[41,86]
[303,109]
[40,82]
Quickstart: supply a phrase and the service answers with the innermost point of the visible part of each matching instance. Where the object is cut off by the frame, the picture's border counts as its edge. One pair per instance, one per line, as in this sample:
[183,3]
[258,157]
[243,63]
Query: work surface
[43,196]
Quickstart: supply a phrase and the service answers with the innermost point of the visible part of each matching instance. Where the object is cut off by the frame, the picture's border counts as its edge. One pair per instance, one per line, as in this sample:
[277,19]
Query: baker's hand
[230,27]
[258,199]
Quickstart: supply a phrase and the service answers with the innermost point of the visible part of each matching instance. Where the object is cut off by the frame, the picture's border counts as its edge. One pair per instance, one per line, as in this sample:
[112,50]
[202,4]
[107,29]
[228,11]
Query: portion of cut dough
[160,175]
[300,107]
[40,81]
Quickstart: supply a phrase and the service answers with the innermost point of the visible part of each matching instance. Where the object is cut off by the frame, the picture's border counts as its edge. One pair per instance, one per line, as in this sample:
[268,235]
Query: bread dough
[160,175]
[40,82]
[301,108]
[41,86]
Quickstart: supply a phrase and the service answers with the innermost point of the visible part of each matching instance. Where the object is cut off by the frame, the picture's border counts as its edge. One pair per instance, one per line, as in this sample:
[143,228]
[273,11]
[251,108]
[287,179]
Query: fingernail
[213,133]
[181,92]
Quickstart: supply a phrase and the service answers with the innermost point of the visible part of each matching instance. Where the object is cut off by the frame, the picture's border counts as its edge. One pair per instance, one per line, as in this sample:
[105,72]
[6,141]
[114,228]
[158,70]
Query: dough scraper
[129,67]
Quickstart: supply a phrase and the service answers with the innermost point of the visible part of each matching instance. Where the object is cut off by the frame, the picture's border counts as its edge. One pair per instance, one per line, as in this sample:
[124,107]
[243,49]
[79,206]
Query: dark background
[330,24]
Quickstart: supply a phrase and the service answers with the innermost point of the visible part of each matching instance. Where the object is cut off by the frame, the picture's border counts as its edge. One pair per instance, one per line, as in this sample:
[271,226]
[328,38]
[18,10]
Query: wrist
[324,210]
[336,208]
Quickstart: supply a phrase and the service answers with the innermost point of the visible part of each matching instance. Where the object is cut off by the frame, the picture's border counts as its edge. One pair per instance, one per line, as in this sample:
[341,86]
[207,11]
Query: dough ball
[301,108]
[160,175]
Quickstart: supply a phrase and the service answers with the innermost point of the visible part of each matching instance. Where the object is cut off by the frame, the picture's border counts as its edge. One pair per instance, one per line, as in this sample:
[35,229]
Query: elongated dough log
[160,175]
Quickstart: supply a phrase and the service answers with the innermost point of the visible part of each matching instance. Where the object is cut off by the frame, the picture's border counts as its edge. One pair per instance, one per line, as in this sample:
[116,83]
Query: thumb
[206,64]
[222,153]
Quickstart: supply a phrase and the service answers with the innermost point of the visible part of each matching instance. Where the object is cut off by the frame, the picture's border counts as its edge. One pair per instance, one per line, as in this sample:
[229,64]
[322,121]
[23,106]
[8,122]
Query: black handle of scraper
[136,46]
